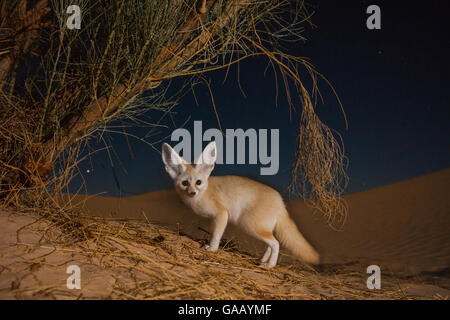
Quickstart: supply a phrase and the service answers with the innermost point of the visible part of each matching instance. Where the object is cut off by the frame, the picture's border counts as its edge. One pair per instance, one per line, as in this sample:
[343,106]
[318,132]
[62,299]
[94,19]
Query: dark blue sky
[393,83]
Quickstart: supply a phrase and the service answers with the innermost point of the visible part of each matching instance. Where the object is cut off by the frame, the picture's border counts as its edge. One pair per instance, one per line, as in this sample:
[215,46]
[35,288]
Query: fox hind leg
[274,247]
[259,223]
[266,255]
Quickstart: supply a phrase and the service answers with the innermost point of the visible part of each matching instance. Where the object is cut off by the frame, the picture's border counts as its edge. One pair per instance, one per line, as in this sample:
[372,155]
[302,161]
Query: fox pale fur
[258,209]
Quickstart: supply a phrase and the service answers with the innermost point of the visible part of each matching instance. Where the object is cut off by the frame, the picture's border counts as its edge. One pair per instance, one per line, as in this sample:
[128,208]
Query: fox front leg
[219,225]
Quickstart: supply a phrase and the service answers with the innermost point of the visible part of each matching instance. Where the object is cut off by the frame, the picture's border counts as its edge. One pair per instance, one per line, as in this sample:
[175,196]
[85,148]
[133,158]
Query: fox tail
[288,234]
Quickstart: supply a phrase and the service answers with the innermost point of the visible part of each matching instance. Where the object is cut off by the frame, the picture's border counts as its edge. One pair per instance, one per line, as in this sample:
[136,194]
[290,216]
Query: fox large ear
[207,158]
[173,162]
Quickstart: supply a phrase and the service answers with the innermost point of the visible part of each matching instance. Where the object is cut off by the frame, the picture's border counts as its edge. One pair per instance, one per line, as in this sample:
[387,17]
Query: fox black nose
[192,193]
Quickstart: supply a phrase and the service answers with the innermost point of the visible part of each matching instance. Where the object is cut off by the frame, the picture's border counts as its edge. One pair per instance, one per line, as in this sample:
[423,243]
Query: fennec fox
[255,207]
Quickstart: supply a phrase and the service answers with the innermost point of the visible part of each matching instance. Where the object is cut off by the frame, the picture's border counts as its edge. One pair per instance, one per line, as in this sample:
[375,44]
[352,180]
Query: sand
[403,228]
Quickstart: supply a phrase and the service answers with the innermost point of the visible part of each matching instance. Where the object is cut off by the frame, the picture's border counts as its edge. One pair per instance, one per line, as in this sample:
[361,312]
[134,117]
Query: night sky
[393,83]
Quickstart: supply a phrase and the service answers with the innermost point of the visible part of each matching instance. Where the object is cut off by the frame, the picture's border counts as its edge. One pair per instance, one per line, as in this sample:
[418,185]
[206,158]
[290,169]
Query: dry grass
[319,168]
[139,260]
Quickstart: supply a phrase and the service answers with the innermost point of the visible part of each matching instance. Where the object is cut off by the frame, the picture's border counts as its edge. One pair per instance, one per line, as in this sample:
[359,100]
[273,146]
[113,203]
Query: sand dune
[403,227]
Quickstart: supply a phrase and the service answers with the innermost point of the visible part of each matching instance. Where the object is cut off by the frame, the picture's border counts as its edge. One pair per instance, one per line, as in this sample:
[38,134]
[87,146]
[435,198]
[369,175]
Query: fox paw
[210,248]
[266,265]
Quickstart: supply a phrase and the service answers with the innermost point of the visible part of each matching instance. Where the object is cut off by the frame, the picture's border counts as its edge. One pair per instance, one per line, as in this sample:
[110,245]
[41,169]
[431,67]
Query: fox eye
[185,183]
[198,182]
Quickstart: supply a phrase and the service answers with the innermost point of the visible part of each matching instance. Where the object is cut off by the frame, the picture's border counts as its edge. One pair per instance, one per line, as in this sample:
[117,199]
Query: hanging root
[320,163]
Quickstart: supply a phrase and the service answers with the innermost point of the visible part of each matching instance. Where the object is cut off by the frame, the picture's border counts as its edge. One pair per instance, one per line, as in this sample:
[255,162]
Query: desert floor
[150,247]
